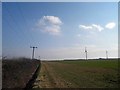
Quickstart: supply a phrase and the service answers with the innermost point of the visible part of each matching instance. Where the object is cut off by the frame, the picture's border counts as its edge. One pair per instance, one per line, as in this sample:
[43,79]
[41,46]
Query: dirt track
[48,78]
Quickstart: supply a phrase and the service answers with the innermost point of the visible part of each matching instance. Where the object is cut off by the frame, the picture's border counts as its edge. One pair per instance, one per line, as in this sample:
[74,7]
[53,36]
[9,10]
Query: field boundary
[29,85]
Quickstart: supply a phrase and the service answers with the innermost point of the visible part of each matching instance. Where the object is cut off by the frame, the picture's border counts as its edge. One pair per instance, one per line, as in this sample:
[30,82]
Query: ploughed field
[16,73]
[78,74]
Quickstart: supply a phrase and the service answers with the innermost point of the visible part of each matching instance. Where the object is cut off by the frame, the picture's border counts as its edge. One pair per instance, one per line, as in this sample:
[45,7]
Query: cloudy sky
[60,30]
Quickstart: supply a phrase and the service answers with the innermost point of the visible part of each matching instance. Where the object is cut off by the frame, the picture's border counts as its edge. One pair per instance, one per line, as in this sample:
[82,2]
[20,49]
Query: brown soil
[16,73]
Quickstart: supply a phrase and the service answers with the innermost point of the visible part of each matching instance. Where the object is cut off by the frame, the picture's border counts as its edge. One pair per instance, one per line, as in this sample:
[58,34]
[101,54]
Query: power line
[33,51]
[23,16]
[12,18]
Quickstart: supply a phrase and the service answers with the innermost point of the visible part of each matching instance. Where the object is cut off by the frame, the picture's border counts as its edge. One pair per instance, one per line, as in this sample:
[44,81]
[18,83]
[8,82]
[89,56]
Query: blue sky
[60,0]
[60,30]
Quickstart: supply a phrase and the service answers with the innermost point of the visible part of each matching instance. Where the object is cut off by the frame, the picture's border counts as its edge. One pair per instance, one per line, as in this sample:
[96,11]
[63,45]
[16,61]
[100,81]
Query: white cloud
[50,24]
[97,27]
[110,25]
[92,27]
[52,19]
[85,27]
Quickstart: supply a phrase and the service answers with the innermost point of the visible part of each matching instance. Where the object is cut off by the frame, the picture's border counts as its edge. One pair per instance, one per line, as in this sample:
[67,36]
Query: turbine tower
[106,54]
[86,52]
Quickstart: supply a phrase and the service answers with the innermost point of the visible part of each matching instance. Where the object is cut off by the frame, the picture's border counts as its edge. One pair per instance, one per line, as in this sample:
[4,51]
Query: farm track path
[48,78]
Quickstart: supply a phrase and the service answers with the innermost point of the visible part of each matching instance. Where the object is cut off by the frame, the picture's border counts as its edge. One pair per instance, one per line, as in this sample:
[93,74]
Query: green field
[85,74]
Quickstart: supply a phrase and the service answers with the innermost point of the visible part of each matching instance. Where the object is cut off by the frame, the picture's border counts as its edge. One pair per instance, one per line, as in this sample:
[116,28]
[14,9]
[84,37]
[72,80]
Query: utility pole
[106,54]
[39,57]
[86,52]
[33,51]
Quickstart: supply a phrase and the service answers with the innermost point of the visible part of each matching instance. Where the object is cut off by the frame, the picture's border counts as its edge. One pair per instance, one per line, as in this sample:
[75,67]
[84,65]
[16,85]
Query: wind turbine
[86,52]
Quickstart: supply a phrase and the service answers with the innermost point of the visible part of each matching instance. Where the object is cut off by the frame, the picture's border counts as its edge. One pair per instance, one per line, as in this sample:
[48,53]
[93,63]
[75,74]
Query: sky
[60,0]
[60,30]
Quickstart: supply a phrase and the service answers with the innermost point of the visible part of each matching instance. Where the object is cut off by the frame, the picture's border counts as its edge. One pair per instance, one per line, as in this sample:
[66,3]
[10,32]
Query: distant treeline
[91,59]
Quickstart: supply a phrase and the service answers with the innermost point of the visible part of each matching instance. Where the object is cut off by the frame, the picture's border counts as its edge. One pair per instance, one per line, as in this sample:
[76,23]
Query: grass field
[79,74]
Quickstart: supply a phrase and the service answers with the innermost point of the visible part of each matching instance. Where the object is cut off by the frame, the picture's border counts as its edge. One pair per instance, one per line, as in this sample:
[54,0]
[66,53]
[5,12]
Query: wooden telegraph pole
[33,51]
